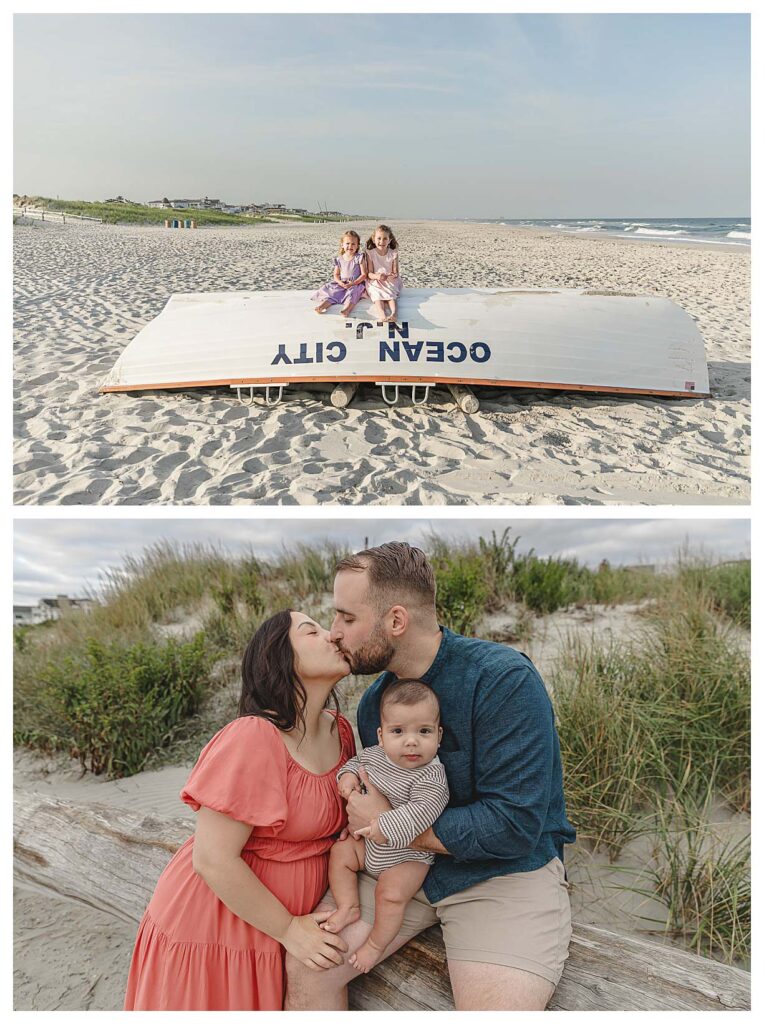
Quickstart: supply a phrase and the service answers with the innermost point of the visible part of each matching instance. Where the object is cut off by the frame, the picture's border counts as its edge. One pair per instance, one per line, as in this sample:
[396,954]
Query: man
[498,885]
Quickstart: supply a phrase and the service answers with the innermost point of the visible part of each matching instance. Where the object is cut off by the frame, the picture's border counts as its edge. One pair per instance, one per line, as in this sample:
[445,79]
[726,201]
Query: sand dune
[83,290]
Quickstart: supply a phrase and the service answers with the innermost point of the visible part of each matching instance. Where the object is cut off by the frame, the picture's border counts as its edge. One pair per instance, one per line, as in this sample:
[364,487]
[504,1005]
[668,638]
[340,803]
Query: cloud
[72,556]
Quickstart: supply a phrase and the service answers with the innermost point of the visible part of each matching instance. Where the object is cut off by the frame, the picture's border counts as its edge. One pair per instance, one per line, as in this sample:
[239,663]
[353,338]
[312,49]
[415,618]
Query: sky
[393,116]
[69,556]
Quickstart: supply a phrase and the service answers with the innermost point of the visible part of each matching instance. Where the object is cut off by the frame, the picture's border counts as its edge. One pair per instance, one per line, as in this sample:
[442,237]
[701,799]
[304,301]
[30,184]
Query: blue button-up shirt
[502,757]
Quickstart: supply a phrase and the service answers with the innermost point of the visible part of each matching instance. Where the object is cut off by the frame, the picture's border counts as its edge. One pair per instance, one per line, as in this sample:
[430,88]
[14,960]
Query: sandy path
[82,291]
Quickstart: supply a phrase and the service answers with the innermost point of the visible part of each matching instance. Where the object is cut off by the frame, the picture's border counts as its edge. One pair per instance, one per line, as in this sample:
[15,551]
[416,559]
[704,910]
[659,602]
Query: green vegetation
[661,714]
[701,876]
[111,705]
[135,213]
[651,728]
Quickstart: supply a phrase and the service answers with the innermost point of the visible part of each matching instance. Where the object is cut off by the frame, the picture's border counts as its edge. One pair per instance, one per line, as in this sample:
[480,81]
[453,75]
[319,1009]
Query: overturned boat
[566,339]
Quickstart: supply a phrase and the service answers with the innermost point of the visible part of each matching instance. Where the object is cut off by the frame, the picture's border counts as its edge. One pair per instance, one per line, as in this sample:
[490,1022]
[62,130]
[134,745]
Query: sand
[82,291]
[69,956]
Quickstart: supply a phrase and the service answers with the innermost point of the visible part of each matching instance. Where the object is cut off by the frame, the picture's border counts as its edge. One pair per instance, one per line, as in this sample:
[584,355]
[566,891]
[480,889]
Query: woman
[239,892]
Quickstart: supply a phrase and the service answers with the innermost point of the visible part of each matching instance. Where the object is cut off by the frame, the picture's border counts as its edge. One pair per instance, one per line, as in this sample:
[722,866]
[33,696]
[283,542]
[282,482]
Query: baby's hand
[348,784]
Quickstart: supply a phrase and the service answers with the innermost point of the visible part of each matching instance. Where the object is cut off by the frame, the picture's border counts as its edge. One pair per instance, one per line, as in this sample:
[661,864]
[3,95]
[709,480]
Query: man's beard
[374,656]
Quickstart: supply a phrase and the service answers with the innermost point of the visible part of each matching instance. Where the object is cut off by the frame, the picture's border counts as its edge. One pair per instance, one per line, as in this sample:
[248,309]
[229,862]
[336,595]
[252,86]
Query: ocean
[708,230]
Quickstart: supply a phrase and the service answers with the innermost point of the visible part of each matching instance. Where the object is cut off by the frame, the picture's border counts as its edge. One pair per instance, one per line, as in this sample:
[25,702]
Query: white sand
[82,291]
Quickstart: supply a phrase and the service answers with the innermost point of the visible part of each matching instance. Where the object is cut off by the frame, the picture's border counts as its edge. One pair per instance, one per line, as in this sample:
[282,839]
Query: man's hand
[428,842]
[364,807]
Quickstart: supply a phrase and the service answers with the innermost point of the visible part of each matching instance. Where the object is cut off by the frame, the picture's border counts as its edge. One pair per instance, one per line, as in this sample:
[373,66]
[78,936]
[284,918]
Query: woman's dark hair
[270,686]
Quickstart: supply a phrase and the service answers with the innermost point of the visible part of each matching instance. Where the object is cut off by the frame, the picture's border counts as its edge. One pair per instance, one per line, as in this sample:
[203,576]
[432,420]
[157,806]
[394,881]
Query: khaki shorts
[520,920]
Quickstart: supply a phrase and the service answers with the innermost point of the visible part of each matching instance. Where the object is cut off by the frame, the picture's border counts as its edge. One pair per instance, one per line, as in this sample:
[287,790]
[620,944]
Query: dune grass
[137,213]
[658,715]
[648,727]
[700,871]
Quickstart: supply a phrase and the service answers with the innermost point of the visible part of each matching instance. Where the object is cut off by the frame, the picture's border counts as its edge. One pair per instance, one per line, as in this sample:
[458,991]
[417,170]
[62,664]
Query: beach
[83,290]
[72,956]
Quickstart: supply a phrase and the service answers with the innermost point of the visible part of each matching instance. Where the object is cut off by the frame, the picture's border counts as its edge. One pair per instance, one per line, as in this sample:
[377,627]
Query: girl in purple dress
[347,285]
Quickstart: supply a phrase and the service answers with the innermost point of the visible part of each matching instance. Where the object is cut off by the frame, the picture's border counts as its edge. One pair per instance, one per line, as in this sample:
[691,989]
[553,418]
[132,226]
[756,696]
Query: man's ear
[379,735]
[399,620]
[440,734]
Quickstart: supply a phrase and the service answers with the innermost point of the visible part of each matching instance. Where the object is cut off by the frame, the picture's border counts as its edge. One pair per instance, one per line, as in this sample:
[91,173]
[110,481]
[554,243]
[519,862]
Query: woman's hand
[313,947]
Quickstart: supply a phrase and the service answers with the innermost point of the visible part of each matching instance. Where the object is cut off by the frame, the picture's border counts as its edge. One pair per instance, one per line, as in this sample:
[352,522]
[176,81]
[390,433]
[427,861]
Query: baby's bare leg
[396,886]
[346,859]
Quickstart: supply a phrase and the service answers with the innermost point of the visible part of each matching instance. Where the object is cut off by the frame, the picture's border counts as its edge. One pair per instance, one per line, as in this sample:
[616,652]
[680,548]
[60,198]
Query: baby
[406,769]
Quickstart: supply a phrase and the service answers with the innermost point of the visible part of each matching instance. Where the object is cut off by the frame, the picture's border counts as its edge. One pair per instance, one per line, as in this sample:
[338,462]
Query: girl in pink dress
[383,282]
[347,284]
[239,893]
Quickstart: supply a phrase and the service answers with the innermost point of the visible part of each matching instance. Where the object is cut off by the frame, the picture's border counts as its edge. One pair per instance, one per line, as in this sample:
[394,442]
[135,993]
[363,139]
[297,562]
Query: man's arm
[514,753]
[428,842]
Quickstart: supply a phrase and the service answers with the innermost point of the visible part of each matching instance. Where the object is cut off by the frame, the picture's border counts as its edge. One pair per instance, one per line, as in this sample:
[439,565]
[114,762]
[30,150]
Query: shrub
[115,703]
[546,584]
[462,591]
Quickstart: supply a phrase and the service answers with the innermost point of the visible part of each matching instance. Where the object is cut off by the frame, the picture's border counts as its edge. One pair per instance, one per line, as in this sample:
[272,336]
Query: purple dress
[350,268]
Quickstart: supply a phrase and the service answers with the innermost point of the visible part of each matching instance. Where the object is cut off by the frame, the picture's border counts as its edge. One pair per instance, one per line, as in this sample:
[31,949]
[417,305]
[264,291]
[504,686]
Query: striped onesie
[418,795]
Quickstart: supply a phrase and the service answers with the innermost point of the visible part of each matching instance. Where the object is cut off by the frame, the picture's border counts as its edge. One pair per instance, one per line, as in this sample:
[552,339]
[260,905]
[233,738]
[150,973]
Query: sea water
[707,230]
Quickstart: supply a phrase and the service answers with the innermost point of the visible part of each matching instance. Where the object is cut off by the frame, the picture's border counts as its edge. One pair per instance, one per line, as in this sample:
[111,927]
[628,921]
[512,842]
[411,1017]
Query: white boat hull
[576,340]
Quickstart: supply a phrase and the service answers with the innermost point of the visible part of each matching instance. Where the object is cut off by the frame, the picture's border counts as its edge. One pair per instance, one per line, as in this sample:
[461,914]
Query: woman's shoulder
[246,729]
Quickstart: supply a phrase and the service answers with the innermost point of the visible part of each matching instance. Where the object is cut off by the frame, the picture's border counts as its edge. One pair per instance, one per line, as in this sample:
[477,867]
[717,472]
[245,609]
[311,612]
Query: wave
[738,234]
[656,231]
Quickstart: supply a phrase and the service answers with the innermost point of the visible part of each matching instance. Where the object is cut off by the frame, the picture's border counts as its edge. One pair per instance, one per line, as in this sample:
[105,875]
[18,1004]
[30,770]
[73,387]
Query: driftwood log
[110,859]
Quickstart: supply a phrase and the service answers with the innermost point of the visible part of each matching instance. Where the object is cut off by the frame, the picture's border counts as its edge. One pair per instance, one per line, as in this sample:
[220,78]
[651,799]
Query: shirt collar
[445,643]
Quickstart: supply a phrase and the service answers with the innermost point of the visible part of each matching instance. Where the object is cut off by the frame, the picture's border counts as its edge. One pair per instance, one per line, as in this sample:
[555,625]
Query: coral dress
[192,952]
[379,290]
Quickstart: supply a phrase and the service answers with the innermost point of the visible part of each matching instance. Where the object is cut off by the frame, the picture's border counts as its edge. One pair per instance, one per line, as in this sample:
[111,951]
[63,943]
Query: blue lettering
[303,356]
[434,351]
[413,351]
[480,352]
[338,347]
[393,351]
[319,351]
[360,329]
[281,356]
[403,330]
[456,347]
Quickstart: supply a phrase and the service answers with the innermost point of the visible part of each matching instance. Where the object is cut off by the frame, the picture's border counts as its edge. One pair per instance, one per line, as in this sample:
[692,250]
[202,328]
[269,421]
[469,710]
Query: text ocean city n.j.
[391,349]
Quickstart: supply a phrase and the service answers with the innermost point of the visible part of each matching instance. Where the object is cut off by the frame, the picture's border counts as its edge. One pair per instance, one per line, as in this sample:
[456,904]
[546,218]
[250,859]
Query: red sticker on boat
[689,385]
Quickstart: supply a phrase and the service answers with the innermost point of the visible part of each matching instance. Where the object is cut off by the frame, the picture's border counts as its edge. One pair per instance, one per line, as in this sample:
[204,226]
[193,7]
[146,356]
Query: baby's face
[410,733]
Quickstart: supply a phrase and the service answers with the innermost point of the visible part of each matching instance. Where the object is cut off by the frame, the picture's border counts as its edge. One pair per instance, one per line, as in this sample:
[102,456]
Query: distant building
[27,615]
[122,201]
[49,609]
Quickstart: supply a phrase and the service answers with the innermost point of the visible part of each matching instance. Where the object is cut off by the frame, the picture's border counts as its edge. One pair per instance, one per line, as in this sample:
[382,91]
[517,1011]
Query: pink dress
[192,952]
[377,290]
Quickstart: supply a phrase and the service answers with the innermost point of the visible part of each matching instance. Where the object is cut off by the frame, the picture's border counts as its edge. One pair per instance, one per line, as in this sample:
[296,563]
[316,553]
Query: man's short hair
[397,572]
[408,692]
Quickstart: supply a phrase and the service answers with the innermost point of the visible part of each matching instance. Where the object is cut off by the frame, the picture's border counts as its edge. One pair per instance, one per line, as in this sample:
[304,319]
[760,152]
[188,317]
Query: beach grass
[650,727]
[654,716]
[700,871]
[137,213]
